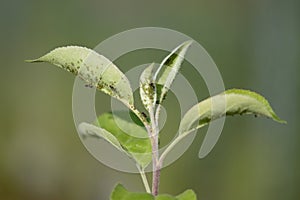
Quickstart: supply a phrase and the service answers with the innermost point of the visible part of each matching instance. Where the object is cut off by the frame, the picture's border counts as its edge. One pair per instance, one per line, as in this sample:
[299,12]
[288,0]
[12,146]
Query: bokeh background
[255,44]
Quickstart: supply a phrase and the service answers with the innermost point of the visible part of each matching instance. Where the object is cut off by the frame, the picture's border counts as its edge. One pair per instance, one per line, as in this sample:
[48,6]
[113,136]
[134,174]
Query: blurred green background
[255,44]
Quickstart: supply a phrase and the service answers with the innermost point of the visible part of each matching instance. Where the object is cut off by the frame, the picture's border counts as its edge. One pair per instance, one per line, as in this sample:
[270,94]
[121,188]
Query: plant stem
[153,136]
[155,154]
[156,178]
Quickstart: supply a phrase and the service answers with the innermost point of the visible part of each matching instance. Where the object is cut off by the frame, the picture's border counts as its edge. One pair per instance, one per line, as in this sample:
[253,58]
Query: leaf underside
[120,193]
[90,130]
[93,68]
[230,102]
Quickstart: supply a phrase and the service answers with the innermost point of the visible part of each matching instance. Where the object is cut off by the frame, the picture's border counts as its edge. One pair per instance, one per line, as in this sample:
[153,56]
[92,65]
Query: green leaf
[124,134]
[96,70]
[148,88]
[165,197]
[231,102]
[169,68]
[120,193]
[132,137]
[187,195]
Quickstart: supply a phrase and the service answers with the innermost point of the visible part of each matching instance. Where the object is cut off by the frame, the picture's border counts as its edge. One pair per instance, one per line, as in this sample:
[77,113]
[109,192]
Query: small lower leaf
[187,195]
[165,197]
[120,193]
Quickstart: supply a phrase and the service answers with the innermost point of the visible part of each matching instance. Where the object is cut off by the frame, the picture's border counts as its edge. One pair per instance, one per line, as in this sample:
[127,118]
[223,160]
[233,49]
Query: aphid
[144,115]
[152,85]
[88,85]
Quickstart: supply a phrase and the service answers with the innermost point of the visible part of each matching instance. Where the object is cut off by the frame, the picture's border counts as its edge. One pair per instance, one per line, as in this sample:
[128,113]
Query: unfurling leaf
[231,102]
[120,193]
[169,68]
[96,70]
[122,133]
[148,88]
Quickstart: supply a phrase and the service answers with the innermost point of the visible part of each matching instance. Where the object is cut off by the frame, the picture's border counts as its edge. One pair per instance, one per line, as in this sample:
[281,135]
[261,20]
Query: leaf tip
[188,42]
[119,185]
[185,45]
[270,112]
[277,119]
[118,192]
[40,59]
[32,61]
